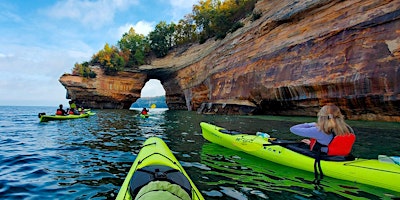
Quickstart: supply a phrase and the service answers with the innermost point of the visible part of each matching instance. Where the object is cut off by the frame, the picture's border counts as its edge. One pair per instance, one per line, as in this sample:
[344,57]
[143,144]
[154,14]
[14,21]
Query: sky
[41,40]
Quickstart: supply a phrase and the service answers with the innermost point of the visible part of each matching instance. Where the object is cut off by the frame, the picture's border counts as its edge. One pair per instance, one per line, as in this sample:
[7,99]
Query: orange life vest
[339,146]
[59,112]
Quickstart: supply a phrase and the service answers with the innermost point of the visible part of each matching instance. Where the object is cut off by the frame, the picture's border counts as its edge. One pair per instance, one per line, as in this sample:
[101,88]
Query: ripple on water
[90,158]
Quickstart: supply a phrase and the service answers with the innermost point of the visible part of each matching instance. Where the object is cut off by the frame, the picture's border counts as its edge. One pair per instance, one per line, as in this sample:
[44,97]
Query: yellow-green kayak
[157,174]
[365,171]
[45,118]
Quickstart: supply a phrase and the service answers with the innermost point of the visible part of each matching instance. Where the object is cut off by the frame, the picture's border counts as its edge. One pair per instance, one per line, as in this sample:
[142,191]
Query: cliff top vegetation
[209,19]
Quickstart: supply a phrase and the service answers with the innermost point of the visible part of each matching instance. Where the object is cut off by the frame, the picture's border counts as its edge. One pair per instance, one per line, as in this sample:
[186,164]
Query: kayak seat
[145,175]
[304,149]
[230,132]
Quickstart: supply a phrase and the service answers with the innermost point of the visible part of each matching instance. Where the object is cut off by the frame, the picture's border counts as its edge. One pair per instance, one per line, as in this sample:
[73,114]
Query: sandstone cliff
[298,56]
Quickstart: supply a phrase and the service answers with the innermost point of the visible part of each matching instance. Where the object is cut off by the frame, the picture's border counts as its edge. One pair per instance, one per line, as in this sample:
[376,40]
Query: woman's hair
[330,119]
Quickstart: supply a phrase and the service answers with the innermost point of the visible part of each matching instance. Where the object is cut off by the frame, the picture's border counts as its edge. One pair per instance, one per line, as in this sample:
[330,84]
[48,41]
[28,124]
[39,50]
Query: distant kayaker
[330,134]
[61,111]
[72,105]
[73,108]
[144,111]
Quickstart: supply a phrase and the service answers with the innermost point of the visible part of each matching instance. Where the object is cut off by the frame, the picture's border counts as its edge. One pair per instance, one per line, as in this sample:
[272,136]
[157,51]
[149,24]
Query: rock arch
[284,64]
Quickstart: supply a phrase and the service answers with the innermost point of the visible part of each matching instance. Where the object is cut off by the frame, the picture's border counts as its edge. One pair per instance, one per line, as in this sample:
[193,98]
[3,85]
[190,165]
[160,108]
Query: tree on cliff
[83,70]
[210,18]
[134,48]
[185,31]
[217,18]
[110,59]
[161,39]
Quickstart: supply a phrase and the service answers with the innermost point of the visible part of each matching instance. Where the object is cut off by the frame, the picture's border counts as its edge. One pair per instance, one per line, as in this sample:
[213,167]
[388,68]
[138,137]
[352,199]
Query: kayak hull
[155,153]
[365,171]
[46,118]
[143,116]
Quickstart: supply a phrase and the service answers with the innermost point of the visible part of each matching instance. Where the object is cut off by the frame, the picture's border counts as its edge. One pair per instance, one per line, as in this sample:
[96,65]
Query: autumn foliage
[210,18]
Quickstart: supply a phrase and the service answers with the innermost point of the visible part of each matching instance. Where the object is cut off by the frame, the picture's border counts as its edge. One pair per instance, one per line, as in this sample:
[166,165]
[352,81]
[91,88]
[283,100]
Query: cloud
[141,27]
[6,55]
[152,88]
[94,14]
[181,8]
[183,4]
[30,77]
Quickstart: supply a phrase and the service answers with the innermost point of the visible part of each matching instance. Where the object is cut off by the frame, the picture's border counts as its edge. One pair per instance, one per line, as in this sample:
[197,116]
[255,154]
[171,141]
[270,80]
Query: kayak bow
[153,158]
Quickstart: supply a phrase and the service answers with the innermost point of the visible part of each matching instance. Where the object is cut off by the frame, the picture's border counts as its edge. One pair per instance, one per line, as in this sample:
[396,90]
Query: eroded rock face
[109,92]
[297,57]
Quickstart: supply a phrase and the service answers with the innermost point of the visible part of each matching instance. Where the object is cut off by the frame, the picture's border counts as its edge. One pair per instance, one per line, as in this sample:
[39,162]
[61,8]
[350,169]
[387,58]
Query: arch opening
[152,95]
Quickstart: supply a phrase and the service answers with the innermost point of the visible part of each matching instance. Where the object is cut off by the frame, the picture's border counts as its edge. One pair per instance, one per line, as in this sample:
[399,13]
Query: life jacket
[59,112]
[339,145]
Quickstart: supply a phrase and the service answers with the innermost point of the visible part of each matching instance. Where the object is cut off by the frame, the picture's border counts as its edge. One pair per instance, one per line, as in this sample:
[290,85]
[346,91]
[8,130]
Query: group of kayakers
[72,110]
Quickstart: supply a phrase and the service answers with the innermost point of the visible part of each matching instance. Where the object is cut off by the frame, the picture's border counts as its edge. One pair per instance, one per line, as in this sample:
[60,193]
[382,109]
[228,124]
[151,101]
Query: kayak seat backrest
[151,173]
[304,149]
[341,145]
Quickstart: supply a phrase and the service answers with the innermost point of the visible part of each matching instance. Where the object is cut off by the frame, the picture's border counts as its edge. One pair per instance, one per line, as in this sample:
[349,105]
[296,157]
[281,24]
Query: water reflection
[90,158]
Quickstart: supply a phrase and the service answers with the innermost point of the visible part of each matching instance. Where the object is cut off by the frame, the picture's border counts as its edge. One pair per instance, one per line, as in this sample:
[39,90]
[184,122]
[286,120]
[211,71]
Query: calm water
[89,158]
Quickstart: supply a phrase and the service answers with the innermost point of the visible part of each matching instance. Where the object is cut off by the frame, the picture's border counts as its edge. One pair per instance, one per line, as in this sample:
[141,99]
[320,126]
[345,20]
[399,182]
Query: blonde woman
[330,134]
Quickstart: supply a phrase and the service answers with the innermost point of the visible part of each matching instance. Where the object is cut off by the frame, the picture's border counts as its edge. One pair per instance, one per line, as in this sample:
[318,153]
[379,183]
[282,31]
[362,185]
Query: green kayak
[45,118]
[157,174]
[143,116]
[293,154]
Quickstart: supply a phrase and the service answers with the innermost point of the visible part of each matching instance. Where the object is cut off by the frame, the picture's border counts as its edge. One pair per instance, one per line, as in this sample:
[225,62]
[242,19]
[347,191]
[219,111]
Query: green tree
[109,59]
[185,31]
[161,39]
[203,14]
[134,48]
[217,18]
[83,70]
[210,18]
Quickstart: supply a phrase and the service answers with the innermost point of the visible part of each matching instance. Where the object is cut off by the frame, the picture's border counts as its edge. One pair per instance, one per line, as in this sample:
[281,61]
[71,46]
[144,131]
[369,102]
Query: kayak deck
[46,118]
[155,152]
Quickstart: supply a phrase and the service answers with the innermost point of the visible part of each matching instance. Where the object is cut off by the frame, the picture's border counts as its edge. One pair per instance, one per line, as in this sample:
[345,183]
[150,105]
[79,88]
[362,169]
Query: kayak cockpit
[159,180]
[304,149]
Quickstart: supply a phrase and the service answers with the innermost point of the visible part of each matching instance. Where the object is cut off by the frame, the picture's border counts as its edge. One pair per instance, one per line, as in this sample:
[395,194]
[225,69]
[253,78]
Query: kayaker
[61,111]
[73,108]
[330,134]
[81,110]
[144,111]
[72,105]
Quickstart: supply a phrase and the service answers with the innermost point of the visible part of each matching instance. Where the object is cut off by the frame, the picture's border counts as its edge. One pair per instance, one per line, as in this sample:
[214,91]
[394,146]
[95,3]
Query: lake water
[89,158]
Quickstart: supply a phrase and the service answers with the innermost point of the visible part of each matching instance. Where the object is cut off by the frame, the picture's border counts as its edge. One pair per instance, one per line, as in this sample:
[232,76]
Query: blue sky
[40,40]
